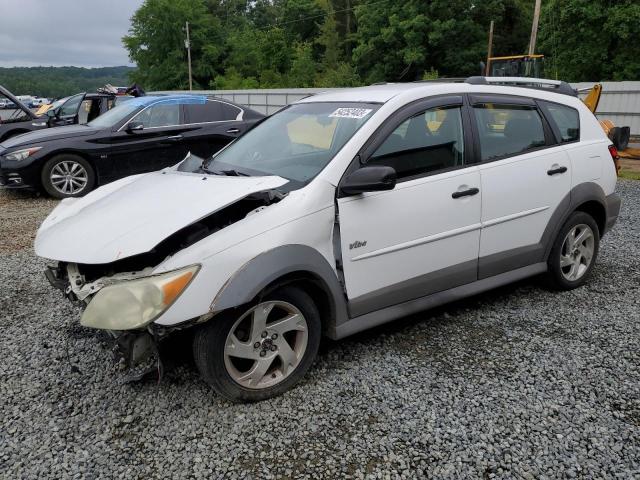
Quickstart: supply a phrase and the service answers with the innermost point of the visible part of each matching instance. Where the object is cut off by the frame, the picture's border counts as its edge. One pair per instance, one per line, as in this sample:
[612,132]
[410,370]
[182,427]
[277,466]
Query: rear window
[566,119]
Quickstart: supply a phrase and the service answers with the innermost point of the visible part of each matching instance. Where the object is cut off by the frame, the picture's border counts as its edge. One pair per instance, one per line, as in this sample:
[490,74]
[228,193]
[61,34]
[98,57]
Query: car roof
[382,93]
[372,94]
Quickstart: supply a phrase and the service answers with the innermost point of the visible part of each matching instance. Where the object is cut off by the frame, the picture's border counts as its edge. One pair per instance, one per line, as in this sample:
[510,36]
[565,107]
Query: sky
[83,33]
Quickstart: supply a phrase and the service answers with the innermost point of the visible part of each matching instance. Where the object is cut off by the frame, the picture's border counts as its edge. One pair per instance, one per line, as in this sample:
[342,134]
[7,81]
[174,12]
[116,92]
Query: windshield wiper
[234,173]
[228,173]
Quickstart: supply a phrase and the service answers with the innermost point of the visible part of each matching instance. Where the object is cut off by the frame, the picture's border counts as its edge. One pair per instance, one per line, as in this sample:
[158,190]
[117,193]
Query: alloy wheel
[69,177]
[266,344]
[577,252]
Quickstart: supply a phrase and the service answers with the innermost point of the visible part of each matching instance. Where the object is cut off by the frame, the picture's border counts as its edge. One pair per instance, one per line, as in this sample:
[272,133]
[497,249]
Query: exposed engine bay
[80,281]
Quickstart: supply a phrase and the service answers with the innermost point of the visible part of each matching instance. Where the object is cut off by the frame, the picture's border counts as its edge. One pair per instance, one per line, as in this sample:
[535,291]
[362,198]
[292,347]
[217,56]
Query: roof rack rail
[434,80]
[555,86]
[442,80]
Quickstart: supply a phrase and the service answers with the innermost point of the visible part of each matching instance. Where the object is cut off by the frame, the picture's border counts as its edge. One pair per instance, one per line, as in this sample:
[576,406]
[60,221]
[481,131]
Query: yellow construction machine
[618,135]
[531,66]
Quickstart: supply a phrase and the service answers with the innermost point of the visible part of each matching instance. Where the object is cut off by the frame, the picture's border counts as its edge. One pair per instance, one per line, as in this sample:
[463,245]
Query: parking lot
[521,382]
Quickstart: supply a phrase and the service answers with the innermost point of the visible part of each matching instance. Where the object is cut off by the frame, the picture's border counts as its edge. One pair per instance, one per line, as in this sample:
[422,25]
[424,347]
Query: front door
[423,236]
[525,175]
[68,112]
[159,144]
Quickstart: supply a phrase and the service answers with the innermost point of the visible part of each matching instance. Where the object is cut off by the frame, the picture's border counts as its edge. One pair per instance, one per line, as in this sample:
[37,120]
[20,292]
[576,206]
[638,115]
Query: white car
[343,211]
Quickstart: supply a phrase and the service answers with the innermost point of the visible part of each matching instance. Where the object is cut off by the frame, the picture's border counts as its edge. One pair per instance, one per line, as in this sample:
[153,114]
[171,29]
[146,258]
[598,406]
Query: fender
[263,270]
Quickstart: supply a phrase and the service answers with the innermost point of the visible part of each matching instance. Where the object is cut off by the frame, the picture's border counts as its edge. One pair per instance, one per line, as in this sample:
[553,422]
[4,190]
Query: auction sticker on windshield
[351,113]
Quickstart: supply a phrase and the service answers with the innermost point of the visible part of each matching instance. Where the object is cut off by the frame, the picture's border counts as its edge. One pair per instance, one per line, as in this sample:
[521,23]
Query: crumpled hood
[133,215]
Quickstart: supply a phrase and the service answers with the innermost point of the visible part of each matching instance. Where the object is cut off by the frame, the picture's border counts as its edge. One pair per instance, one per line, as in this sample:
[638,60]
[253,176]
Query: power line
[273,25]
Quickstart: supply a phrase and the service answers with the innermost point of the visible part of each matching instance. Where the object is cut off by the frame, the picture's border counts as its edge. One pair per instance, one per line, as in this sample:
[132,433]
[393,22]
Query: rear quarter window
[566,120]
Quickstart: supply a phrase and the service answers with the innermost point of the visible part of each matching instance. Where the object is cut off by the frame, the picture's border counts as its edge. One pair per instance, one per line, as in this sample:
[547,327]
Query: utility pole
[489,48]
[187,45]
[534,28]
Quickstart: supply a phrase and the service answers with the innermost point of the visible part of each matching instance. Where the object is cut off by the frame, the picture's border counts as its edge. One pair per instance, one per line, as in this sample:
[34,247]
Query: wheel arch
[298,265]
[69,151]
[588,197]
[597,211]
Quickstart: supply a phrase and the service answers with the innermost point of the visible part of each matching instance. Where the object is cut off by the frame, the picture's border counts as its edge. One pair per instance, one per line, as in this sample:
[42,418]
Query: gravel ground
[518,383]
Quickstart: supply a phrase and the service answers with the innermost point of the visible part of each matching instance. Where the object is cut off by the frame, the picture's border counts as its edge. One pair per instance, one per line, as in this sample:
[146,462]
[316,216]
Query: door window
[209,111]
[430,141]
[229,112]
[160,115]
[71,106]
[566,119]
[508,129]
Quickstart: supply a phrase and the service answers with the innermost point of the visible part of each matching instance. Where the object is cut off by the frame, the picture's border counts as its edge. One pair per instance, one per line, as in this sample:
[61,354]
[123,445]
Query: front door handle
[557,170]
[174,138]
[233,130]
[465,193]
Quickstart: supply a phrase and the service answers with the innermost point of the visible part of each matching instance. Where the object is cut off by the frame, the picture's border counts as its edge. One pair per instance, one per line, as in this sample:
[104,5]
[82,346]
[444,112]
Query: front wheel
[67,175]
[262,352]
[574,252]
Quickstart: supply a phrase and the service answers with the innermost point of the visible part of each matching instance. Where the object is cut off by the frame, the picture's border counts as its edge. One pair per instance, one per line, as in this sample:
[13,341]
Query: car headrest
[517,128]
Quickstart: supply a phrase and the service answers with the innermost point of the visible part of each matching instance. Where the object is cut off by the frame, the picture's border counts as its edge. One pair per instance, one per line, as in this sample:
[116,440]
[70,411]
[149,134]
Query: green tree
[156,43]
[587,40]
[279,43]
[303,68]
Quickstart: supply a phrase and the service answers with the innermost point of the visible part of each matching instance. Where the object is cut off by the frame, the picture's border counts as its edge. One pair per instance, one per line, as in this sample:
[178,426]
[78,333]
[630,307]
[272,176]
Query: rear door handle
[555,171]
[465,193]
[233,130]
[174,138]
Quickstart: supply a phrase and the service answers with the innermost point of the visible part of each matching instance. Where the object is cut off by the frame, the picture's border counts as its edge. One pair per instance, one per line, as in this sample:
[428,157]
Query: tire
[240,378]
[615,135]
[570,266]
[80,176]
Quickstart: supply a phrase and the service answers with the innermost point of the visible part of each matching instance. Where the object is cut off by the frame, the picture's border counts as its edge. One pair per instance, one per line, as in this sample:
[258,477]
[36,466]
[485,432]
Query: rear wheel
[574,252]
[263,351]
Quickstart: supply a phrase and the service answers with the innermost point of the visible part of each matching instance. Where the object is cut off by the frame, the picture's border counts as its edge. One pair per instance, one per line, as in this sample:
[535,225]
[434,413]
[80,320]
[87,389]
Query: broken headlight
[136,303]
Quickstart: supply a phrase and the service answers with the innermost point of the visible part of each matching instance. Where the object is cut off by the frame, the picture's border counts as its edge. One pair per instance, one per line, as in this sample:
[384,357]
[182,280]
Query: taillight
[615,157]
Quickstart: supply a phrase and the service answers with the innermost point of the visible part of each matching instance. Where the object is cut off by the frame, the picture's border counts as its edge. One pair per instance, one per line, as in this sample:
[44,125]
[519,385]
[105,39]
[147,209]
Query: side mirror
[135,127]
[52,113]
[374,178]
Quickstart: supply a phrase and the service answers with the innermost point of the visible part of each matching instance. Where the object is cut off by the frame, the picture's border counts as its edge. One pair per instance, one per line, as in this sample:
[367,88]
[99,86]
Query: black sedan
[141,135]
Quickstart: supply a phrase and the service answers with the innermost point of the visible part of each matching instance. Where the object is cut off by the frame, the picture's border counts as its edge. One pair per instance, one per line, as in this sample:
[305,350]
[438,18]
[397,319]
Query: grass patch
[629,175]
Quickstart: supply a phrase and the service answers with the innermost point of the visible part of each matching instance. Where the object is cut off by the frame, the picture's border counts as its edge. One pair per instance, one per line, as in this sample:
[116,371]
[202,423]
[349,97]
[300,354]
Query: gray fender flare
[581,193]
[265,269]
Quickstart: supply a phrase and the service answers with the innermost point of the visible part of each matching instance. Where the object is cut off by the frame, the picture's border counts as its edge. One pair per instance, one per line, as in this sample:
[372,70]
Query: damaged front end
[125,305]
[126,296]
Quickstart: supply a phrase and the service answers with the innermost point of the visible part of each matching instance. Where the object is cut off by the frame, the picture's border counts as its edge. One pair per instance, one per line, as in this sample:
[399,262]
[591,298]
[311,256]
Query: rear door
[525,177]
[158,145]
[211,125]
[423,236]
